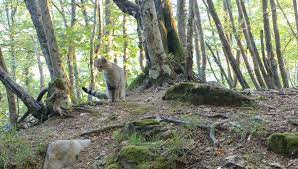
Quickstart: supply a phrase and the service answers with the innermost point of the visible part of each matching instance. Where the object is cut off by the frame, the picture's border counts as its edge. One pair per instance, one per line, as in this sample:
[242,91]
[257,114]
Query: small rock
[63,153]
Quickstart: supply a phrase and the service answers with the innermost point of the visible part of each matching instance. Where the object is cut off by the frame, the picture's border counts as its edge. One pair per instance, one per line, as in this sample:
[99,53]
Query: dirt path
[246,138]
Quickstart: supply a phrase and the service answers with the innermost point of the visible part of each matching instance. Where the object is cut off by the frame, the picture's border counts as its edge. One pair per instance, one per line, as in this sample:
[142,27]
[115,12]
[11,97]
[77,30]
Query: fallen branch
[210,128]
[103,129]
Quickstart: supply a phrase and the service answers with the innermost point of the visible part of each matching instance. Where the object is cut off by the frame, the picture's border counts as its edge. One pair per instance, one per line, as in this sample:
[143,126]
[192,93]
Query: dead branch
[103,129]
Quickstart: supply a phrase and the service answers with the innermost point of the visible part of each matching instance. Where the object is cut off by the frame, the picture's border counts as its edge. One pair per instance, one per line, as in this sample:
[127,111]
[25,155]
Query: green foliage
[14,151]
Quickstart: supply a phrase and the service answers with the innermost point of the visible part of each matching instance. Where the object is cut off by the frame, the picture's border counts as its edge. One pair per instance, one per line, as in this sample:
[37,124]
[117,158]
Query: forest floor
[244,142]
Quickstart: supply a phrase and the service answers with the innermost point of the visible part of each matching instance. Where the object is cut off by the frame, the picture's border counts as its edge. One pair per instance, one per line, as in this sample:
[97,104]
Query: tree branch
[128,7]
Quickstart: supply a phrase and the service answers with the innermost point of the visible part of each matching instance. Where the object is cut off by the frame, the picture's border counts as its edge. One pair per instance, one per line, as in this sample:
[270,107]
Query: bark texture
[279,56]
[158,61]
[11,98]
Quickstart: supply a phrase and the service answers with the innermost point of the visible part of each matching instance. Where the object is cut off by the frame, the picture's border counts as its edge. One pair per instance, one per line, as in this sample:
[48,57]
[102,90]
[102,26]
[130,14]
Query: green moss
[160,163]
[113,166]
[138,81]
[199,94]
[59,83]
[284,143]
[135,154]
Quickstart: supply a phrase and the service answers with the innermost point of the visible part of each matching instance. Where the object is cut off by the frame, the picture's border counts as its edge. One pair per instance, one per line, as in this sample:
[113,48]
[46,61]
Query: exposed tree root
[210,128]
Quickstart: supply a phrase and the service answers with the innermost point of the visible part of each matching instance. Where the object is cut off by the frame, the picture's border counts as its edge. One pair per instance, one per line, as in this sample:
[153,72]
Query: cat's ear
[104,60]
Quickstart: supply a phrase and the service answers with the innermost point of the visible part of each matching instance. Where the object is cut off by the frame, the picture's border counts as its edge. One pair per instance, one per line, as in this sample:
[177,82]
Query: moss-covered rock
[138,157]
[284,143]
[199,94]
[147,129]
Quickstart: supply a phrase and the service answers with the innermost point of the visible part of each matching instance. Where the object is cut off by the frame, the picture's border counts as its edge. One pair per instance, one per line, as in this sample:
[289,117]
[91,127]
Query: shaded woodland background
[258,40]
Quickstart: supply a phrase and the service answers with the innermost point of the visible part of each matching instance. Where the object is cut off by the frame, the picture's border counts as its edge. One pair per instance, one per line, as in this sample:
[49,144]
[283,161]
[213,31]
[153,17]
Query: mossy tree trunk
[159,66]
[59,93]
[167,28]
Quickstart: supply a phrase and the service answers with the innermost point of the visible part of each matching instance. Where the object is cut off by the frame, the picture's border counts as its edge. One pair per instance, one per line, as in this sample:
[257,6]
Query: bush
[15,152]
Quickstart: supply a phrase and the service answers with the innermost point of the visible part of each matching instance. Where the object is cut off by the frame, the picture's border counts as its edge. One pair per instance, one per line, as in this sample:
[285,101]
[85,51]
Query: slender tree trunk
[270,54]
[279,56]
[39,64]
[11,98]
[10,15]
[124,44]
[226,47]
[91,52]
[265,59]
[141,47]
[238,60]
[222,70]
[71,53]
[212,70]
[99,27]
[202,41]
[197,51]
[108,27]
[246,28]
[242,50]
[296,15]
[83,8]
[158,62]
[288,22]
[181,16]
[189,56]
[226,4]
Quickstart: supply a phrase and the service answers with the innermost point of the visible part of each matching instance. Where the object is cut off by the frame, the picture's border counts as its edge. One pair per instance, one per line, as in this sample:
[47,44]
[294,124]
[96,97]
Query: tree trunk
[141,46]
[158,62]
[246,28]
[222,70]
[39,63]
[91,51]
[226,46]
[181,16]
[279,56]
[124,44]
[270,54]
[8,82]
[36,17]
[170,38]
[83,8]
[11,98]
[242,50]
[108,27]
[58,90]
[197,51]
[71,53]
[296,15]
[10,15]
[288,22]
[265,59]
[202,41]
[189,47]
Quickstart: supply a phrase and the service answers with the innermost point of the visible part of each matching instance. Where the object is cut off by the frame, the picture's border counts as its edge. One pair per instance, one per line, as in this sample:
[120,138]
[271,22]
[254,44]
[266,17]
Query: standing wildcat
[114,78]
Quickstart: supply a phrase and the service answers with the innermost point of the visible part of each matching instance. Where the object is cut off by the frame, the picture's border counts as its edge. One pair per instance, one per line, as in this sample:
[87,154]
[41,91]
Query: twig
[103,129]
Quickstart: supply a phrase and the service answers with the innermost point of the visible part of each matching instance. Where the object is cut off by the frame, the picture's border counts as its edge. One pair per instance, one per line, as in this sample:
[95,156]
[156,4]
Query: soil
[243,135]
